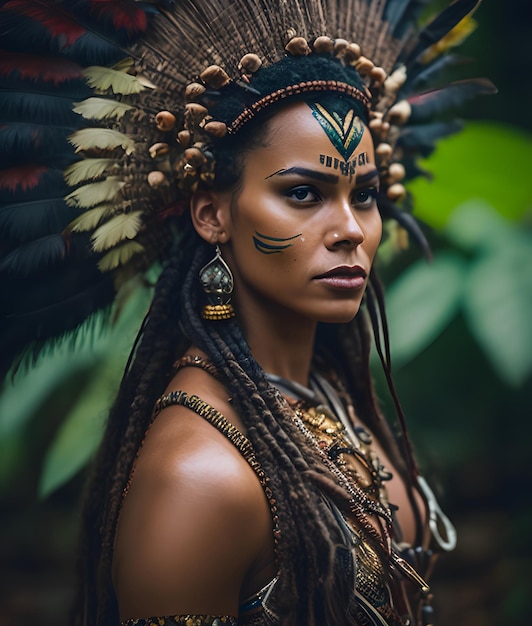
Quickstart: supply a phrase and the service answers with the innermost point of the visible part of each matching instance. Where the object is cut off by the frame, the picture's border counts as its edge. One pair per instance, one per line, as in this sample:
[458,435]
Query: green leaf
[476,226]
[498,308]
[80,434]
[486,161]
[23,396]
[421,303]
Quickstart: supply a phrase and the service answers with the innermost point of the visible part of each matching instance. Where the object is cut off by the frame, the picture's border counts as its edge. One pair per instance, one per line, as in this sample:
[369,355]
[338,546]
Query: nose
[343,228]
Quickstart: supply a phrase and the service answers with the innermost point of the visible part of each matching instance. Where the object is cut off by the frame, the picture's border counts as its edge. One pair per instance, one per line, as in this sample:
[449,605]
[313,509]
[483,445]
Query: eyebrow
[365,178]
[303,171]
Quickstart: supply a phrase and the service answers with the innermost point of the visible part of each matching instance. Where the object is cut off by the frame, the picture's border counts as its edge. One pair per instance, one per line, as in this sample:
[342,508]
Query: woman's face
[304,225]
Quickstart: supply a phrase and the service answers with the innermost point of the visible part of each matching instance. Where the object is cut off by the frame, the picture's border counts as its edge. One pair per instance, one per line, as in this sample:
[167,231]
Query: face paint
[345,134]
[347,168]
[276,244]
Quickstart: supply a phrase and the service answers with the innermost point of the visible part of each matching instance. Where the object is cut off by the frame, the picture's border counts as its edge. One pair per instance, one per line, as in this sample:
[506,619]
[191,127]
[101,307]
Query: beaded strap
[239,440]
[182,620]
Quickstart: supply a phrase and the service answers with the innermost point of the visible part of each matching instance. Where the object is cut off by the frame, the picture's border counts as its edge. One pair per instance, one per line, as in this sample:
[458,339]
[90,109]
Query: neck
[280,341]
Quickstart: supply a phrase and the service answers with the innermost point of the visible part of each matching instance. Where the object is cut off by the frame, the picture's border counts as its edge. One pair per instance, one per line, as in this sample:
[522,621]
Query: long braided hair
[310,591]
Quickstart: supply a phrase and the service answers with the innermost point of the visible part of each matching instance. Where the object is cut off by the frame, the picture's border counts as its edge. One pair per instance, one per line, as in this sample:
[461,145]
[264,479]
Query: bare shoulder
[195,520]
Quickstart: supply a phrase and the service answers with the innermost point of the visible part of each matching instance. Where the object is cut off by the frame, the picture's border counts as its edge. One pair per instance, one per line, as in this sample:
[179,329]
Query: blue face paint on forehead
[344,132]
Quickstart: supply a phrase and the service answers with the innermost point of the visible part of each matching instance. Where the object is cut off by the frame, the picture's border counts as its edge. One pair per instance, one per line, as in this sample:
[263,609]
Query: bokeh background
[461,332]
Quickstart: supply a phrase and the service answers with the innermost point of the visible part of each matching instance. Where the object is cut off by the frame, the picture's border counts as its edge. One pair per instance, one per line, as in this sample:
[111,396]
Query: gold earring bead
[218,312]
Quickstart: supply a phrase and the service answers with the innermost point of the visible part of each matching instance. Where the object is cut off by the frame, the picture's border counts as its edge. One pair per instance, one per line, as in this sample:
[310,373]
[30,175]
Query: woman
[199,533]
[246,475]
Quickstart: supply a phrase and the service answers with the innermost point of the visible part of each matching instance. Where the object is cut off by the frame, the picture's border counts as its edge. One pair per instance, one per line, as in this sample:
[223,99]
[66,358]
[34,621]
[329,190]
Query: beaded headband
[197,164]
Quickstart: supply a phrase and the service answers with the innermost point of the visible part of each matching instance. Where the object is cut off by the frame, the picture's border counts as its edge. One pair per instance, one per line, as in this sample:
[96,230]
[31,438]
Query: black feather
[434,103]
[422,139]
[38,310]
[25,221]
[39,107]
[40,143]
[35,257]
[439,27]
[426,76]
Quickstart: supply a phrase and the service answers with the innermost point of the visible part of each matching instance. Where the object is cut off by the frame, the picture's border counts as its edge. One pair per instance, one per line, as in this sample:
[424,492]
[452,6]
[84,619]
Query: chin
[342,314]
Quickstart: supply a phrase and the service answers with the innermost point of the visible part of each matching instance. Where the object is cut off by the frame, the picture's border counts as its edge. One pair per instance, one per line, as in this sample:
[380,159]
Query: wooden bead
[215,77]
[377,76]
[396,192]
[352,52]
[376,124]
[339,46]
[383,151]
[165,121]
[157,179]
[395,81]
[400,113]
[158,149]
[216,129]
[193,91]
[250,63]
[363,66]
[396,171]
[195,157]
[323,45]
[194,112]
[184,137]
[298,46]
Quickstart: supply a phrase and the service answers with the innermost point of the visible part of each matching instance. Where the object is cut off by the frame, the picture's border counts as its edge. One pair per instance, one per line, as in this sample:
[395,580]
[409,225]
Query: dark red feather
[52,69]
[24,177]
[124,14]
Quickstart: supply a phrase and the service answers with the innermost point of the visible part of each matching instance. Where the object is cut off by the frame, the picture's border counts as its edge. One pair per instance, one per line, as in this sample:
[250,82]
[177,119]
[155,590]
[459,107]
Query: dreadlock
[310,591]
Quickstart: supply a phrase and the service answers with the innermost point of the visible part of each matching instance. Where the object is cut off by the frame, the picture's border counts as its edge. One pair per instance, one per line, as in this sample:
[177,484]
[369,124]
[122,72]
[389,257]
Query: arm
[193,525]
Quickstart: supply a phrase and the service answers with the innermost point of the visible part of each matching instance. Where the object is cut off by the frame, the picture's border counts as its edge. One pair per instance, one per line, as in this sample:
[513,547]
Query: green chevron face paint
[345,134]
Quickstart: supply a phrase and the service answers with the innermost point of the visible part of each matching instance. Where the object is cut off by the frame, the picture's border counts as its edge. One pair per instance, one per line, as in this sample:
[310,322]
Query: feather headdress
[92,98]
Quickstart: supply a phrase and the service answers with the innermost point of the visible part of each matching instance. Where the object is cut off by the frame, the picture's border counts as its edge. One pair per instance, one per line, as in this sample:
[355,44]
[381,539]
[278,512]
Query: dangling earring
[217,282]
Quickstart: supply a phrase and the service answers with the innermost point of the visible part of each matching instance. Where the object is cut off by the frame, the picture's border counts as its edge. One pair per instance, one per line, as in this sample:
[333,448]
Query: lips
[344,277]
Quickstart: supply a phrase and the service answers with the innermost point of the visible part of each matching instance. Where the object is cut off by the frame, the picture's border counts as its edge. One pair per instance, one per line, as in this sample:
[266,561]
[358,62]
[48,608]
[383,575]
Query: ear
[210,212]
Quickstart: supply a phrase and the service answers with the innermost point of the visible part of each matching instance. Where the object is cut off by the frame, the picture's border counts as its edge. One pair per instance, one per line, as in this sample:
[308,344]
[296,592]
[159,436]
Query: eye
[365,198]
[303,194]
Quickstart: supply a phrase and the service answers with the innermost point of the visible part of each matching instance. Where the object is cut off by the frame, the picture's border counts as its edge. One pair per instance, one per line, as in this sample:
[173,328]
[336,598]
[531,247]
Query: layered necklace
[347,451]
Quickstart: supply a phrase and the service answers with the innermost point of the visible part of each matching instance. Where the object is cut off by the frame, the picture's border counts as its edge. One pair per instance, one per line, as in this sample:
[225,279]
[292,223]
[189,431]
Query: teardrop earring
[217,282]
